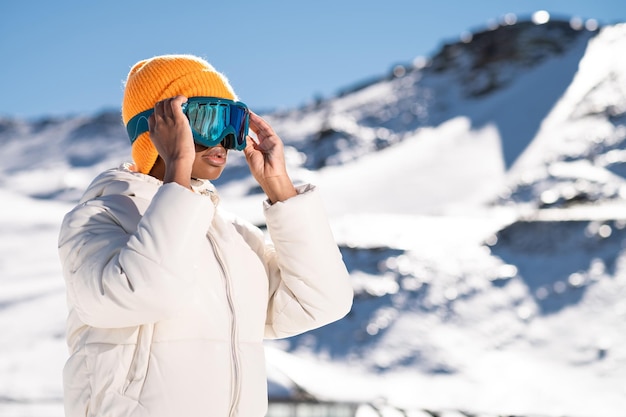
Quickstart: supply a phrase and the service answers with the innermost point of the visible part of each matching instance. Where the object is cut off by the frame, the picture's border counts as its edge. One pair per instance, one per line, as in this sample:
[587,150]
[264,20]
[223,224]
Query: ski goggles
[213,121]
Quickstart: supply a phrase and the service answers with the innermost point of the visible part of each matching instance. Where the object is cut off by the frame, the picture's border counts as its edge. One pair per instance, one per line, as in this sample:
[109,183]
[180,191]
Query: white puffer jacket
[170,298]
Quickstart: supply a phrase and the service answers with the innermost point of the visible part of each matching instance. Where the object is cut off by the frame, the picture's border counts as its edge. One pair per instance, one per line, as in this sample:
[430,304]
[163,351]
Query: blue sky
[71,57]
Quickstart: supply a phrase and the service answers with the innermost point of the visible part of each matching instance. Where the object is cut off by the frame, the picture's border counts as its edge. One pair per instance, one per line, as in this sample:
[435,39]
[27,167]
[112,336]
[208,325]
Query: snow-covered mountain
[478,199]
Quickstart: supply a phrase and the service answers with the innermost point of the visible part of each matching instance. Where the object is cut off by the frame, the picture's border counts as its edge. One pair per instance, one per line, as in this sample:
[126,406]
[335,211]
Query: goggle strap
[138,125]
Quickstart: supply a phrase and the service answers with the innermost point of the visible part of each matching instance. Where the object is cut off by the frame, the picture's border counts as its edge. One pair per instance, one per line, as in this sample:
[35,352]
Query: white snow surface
[481,286]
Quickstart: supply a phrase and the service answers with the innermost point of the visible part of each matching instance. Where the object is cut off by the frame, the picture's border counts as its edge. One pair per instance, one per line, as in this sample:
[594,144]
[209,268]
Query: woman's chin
[208,173]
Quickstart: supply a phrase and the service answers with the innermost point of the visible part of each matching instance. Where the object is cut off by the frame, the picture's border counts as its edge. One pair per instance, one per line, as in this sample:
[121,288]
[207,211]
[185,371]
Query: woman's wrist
[279,188]
[179,173]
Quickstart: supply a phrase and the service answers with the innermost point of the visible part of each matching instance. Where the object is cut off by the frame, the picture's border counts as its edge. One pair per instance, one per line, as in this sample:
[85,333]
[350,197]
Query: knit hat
[161,77]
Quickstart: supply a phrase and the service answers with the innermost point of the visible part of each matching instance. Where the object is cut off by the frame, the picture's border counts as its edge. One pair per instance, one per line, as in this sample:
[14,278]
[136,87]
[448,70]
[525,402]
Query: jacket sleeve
[118,278]
[309,283]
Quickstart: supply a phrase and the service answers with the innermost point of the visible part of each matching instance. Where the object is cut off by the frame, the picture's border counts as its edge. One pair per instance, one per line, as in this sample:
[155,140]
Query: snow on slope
[531,323]
[579,152]
[579,120]
[431,172]
[32,307]
[459,306]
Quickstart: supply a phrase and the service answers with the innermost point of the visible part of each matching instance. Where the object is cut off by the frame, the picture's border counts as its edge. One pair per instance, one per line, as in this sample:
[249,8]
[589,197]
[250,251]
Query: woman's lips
[215,156]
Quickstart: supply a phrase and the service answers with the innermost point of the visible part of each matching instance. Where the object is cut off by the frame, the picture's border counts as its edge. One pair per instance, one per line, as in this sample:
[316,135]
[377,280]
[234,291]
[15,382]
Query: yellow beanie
[161,77]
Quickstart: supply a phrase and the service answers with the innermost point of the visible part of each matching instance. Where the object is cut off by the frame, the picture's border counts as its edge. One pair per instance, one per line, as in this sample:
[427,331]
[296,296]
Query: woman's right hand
[171,135]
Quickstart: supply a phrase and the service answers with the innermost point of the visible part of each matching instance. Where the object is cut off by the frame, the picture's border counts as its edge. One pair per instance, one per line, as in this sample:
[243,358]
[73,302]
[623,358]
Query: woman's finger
[260,126]
[175,105]
[167,108]
[158,109]
[151,123]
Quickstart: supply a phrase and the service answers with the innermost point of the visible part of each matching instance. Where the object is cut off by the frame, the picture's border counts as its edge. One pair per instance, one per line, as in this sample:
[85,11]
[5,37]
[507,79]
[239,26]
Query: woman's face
[209,162]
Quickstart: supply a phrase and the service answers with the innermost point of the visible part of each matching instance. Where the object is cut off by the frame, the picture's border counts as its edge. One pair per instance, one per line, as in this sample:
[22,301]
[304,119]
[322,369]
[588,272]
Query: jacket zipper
[236,387]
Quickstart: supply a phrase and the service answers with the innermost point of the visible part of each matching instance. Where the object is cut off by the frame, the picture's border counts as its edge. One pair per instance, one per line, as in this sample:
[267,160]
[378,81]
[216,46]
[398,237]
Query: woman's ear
[158,169]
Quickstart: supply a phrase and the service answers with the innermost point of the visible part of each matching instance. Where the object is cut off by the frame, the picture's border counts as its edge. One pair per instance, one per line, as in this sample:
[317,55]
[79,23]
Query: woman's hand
[266,160]
[171,135]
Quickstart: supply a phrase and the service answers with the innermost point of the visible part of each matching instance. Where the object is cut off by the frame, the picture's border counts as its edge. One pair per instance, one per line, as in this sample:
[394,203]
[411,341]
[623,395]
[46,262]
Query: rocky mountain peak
[481,57]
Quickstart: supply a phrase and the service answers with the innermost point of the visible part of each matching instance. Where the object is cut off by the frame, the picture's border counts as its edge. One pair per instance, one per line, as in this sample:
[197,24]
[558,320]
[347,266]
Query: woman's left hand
[266,160]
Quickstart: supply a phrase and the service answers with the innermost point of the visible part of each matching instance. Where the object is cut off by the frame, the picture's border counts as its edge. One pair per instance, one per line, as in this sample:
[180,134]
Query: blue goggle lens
[215,121]
[212,120]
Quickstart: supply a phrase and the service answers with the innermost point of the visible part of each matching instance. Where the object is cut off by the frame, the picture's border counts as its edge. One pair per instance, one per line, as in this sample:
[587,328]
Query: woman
[169,296]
